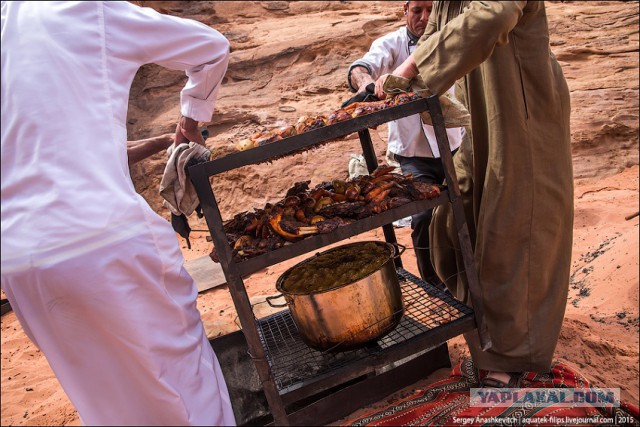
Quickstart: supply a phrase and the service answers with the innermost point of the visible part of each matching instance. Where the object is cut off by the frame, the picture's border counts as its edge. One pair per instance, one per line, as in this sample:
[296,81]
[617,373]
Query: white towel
[357,166]
[176,187]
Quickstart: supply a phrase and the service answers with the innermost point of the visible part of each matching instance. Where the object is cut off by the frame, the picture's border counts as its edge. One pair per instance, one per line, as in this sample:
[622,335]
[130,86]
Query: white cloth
[176,188]
[408,136]
[73,225]
[93,331]
[357,166]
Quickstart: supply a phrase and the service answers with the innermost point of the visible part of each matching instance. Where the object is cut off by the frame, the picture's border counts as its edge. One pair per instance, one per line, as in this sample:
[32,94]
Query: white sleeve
[381,56]
[142,35]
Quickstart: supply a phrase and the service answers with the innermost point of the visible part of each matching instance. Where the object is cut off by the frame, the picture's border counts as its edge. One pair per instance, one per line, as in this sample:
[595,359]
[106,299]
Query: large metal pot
[350,315]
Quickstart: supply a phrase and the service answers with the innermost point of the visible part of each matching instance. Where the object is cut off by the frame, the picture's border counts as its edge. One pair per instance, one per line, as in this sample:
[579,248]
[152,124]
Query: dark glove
[367,96]
[181,226]
[205,133]
[180,223]
[199,212]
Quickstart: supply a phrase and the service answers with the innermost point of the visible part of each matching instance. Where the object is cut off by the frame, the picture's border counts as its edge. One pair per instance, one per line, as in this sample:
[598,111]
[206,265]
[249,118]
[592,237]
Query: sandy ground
[296,54]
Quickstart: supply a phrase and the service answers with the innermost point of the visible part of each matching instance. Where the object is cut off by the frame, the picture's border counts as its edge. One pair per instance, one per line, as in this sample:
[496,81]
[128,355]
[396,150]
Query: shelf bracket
[238,293]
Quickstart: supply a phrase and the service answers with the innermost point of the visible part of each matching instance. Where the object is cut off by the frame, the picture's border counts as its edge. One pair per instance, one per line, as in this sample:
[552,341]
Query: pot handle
[397,251]
[268,299]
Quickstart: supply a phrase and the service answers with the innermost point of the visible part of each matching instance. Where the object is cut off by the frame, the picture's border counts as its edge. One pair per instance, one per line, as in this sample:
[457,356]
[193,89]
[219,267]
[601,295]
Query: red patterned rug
[446,403]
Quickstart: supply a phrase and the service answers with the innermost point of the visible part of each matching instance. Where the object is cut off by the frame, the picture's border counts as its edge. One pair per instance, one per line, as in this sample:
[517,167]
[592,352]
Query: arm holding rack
[140,149]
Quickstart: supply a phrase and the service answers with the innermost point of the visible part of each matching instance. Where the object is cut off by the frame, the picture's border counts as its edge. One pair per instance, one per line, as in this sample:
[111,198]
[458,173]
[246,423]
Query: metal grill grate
[293,362]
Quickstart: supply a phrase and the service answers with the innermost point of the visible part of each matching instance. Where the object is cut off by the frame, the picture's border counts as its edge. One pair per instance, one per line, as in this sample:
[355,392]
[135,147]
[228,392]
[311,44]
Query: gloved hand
[455,114]
[393,85]
[180,225]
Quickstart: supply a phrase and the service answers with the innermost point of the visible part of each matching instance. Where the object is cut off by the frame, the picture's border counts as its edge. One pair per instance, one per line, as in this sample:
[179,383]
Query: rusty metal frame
[234,271]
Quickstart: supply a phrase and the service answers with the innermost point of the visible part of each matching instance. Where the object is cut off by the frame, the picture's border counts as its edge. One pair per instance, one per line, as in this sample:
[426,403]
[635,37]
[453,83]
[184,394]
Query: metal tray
[431,317]
[311,243]
[308,139]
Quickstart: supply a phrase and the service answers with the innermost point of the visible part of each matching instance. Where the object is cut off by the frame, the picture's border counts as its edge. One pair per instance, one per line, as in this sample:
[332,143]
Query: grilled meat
[304,211]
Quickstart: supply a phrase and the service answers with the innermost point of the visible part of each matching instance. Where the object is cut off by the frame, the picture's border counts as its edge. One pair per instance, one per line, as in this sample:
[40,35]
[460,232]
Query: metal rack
[303,386]
[293,363]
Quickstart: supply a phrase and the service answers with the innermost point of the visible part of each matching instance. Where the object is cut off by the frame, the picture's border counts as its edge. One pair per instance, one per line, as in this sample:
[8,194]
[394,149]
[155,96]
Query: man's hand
[141,149]
[407,69]
[360,78]
[187,130]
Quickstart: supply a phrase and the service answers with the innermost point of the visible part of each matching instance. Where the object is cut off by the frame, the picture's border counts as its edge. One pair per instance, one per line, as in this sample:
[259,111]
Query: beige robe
[515,173]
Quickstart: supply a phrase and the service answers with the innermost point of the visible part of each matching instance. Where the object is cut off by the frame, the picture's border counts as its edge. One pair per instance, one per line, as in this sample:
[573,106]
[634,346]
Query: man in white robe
[94,275]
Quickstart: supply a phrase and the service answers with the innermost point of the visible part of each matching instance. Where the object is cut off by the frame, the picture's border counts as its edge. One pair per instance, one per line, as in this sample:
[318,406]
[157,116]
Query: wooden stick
[628,217]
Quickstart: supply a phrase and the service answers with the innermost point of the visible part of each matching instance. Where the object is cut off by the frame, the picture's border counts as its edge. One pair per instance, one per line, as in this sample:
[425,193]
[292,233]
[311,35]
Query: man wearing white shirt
[94,275]
[412,144]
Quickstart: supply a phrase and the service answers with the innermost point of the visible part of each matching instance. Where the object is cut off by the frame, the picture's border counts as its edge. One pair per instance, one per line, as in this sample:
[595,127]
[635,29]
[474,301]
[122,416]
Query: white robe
[96,277]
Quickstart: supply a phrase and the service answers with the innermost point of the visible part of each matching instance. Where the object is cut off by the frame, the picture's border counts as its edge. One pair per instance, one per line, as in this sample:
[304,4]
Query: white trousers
[120,328]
